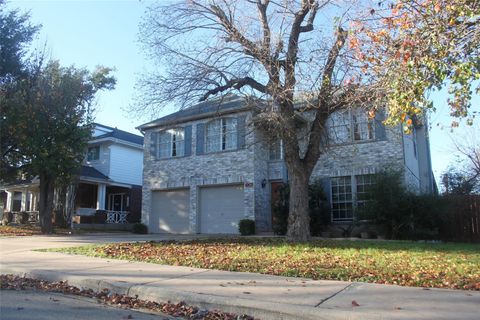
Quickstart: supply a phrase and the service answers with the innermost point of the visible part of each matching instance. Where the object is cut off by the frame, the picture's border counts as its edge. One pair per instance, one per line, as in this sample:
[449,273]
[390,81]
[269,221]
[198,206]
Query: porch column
[23,206]
[9,204]
[30,205]
[33,203]
[101,194]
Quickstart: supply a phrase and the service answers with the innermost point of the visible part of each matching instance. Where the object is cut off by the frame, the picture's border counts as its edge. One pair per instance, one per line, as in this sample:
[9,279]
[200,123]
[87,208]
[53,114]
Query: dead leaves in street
[12,282]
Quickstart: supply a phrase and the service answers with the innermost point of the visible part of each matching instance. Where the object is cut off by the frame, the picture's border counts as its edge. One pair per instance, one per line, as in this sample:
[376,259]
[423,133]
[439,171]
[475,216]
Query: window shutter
[241,132]
[188,141]
[200,138]
[154,144]
[380,133]
[327,190]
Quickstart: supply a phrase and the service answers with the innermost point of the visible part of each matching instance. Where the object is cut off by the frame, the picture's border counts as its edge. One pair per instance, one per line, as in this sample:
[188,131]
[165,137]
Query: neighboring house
[207,166]
[109,180]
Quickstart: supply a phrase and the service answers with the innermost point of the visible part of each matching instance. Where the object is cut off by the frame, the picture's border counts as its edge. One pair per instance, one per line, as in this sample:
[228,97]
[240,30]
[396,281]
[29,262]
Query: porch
[99,203]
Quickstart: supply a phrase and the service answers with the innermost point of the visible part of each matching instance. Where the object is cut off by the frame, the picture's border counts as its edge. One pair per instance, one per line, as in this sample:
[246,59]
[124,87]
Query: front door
[275,198]
[116,202]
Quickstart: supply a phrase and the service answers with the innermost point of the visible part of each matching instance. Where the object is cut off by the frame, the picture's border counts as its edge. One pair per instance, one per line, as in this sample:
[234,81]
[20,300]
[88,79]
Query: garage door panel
[221,208]
[170,211]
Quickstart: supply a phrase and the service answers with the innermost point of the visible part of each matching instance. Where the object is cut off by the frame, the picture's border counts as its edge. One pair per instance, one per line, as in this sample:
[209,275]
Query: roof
[226,104]
[120,135]
[91,172]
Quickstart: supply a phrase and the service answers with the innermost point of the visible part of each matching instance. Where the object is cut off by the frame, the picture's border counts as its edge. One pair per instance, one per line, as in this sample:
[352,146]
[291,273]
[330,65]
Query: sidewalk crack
[333,295]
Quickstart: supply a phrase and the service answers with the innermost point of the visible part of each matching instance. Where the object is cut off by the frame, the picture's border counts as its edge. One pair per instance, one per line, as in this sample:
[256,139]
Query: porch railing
[116,216]
[21,217]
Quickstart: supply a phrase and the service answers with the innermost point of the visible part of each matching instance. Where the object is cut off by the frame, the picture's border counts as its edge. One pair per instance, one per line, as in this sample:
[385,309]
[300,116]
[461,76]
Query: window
[276,150]
[342,199]
[349,194]
[171,143]
[221,135]
[362,126]
[364,184]
[93,153]
[339,127]
[350,125]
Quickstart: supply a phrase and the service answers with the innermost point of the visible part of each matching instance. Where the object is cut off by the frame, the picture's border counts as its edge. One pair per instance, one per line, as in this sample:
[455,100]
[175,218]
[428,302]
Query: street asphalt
[261,296]
[21,305]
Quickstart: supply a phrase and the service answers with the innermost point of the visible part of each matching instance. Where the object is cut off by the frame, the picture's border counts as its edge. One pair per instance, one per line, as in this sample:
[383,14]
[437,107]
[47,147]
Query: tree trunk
[298,218]
[60,198]
[45,206]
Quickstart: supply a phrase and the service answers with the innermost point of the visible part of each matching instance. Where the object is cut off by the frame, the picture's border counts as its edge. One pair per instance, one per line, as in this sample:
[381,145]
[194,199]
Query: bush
[318,209]
[246,227]
[400,213]
[139,228]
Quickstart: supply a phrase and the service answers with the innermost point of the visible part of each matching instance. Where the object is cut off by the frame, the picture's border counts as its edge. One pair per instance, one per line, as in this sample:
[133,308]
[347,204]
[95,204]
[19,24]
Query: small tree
[52,109]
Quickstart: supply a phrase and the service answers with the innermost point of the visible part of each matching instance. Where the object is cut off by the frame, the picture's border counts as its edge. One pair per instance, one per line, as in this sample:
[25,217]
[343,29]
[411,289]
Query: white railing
[116,216]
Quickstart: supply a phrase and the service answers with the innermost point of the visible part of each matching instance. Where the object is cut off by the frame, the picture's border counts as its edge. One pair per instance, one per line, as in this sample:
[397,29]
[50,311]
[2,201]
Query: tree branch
[236,84]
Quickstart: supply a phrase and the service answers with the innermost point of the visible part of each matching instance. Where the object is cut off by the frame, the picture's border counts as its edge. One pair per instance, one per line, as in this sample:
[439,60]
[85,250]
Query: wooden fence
[465,211]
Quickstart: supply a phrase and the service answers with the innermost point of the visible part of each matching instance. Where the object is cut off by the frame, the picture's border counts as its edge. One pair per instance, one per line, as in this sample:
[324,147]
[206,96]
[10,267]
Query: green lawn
[404,263]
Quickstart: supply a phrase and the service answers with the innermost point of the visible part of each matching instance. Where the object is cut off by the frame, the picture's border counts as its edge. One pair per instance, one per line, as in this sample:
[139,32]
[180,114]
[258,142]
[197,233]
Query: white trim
[115,140]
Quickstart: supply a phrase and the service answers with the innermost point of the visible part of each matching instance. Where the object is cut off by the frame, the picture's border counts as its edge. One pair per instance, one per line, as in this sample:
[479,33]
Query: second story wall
[102,164]
[126,164]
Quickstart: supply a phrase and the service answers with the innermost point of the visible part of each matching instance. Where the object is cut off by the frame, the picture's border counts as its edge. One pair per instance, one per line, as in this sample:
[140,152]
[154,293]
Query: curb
[258,309]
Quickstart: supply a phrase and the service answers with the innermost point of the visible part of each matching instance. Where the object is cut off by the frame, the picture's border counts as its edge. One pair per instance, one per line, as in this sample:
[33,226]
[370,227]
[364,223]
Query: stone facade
[195,171]
[251,167]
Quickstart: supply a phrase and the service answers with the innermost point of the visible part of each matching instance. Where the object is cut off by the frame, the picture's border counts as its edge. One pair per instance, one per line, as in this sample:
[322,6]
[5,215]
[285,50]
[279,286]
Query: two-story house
[109,179]
[208,166]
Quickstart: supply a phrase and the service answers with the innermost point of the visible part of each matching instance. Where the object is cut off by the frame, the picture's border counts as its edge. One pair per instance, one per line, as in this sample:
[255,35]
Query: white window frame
[280,153]
[89,153]
[359,130]
[173,144]
[354,200]
[220,138]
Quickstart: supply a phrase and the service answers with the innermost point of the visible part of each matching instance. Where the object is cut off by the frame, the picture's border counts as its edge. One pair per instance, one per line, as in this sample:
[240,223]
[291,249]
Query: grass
[437,265]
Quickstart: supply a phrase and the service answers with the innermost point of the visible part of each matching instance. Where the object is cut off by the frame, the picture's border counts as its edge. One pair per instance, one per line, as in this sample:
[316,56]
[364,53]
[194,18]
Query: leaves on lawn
[404,263]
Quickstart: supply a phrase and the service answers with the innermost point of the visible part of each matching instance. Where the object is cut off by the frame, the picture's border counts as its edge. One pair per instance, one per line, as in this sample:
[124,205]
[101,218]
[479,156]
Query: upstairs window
[221,135]
[171,143]
[339,127]
[93,153]
[363,126]
[349,126]
[276,150]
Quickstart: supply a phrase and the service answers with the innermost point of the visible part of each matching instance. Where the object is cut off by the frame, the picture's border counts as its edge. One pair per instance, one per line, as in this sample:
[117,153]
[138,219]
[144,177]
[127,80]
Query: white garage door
[169,211]
[220,209]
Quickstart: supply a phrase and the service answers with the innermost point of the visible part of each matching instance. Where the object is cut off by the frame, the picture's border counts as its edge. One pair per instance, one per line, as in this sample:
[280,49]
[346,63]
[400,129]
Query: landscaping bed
[435,265]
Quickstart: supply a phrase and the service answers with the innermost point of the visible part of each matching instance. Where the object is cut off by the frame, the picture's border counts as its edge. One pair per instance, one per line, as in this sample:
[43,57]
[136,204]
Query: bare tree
[279,50]
[264,48]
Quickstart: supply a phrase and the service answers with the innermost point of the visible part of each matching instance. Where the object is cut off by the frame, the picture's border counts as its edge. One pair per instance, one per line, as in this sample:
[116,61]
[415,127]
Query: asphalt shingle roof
[91,172]
[121,135]
[228,103]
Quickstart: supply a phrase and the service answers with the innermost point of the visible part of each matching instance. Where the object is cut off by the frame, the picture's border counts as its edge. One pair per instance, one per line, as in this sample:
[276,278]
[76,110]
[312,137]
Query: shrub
[246,227]
[400,213]
[318,209]
[139,228]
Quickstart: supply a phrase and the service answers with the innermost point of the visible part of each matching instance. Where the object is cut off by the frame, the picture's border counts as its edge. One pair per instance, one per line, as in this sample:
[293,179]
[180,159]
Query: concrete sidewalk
[262,296]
